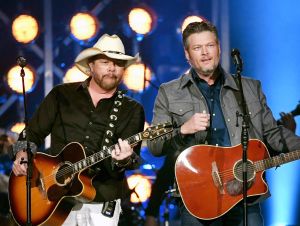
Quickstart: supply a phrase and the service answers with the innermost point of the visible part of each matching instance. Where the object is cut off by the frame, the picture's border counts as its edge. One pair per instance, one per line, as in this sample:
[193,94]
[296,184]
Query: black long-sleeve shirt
[68,114]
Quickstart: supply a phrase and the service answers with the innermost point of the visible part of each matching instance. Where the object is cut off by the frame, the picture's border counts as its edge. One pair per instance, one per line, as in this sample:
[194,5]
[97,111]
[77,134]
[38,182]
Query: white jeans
[90,215]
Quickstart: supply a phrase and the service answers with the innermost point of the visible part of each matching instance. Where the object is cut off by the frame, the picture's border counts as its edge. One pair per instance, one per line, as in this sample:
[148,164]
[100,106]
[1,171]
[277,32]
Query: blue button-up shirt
[218,132]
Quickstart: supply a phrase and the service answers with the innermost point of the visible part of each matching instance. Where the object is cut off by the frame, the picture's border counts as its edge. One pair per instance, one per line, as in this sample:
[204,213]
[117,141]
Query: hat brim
[81,60]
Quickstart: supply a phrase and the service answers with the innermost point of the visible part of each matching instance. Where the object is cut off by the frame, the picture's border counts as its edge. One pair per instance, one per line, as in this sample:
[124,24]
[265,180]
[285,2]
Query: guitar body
[50,188]
[58,181]
[207,177]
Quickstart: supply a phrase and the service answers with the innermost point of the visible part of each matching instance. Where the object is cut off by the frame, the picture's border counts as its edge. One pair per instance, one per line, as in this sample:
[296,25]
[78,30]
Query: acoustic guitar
[58,181]
[210,178]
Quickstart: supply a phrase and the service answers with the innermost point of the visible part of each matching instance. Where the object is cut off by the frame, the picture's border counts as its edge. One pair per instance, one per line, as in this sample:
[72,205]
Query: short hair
[120,62]
[95,57]
[198,27]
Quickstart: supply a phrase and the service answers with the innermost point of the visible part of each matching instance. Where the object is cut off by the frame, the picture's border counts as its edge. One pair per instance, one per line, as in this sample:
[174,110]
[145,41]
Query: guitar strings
[106,152]
[69,169]
[131,140]
[230,173]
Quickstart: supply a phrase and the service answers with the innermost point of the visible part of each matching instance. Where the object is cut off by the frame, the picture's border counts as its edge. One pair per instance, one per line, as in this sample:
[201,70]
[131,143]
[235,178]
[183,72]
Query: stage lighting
[84,26]
[141,187]
[18,127]
[141,20]
[146,125]
[74,75]
[189,20]
[137,76]
[25,28]
[14,80]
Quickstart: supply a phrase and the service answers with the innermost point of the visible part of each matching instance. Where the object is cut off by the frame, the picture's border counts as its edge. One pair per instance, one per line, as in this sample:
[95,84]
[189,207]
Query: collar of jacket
[228,79]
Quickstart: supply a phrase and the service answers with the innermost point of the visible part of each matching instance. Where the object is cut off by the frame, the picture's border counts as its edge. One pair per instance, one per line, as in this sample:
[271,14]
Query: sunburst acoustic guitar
[58,181]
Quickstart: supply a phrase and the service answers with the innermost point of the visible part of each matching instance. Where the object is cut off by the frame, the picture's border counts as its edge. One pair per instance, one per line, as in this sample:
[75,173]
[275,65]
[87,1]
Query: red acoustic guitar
[58,181]
[210,178]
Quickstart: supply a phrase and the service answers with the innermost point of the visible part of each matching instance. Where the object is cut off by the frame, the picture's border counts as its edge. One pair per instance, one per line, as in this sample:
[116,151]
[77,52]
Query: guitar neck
[277,160]
[103,154]
[150,133]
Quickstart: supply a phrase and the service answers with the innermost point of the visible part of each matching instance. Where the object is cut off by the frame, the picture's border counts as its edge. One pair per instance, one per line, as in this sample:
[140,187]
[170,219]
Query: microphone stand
[166,215]
[244,133]
[29,153]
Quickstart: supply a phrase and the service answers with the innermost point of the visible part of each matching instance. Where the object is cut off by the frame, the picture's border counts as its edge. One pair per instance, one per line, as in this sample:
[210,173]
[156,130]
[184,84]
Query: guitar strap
[108,208]
[113,117]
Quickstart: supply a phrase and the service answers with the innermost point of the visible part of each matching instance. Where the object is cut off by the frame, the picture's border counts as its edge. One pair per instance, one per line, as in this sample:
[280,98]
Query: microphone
[235,54]
[21,61]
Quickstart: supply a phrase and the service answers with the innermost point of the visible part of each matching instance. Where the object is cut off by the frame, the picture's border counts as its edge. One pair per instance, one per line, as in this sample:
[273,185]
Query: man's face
[107,72]
[203,52]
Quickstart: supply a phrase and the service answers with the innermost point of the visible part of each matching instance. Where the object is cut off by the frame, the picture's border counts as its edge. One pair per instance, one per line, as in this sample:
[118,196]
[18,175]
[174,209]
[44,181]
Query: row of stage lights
[84,27]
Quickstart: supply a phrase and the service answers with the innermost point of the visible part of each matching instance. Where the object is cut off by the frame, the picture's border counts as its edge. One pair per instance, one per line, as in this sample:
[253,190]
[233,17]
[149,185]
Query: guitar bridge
[42,186]
[216,178]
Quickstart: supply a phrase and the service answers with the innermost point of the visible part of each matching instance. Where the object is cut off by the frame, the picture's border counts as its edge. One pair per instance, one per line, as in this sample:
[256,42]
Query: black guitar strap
[108,208]
[110,129]
[113,117]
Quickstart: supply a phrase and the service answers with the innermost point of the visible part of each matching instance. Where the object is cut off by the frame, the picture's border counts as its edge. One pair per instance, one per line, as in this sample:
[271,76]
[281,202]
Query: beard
[207,71]
[107,82]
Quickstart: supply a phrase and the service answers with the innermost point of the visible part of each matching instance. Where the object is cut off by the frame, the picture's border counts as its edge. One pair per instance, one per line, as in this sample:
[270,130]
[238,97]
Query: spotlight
[141,20]
[74,75]
[189,20]
[84,26]
[137,77]
[25,28]
[18,127]
[141,187]
[14,80]
[146,125]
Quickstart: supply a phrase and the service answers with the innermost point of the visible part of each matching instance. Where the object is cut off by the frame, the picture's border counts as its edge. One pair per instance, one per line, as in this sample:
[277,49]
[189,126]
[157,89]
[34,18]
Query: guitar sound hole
[238,171]
[64,174]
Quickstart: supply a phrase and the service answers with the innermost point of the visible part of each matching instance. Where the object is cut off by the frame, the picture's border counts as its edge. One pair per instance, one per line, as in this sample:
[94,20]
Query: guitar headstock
[296,111]
[156,131]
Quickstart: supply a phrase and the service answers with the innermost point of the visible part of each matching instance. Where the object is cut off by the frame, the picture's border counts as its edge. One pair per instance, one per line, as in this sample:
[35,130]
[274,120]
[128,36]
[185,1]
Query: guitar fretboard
[277,160]
[101,155]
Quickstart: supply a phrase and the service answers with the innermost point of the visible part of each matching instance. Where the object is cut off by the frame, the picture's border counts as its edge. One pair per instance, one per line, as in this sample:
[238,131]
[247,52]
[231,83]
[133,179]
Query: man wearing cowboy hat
[97,115]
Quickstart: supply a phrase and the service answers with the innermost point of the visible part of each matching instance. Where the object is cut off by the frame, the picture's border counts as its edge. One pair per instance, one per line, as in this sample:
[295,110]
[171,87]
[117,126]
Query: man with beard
[97,115]
[203,103]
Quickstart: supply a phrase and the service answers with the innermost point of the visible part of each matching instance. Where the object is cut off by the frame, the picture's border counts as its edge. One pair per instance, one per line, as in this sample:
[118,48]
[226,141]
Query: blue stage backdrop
[267,34]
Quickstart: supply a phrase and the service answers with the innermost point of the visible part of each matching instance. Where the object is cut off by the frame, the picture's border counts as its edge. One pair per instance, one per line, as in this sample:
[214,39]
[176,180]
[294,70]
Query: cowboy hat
[108,45]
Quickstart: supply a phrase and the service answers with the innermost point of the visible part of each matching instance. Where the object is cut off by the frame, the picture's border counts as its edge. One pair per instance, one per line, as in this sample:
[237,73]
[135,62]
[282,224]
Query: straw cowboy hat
[110,46]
